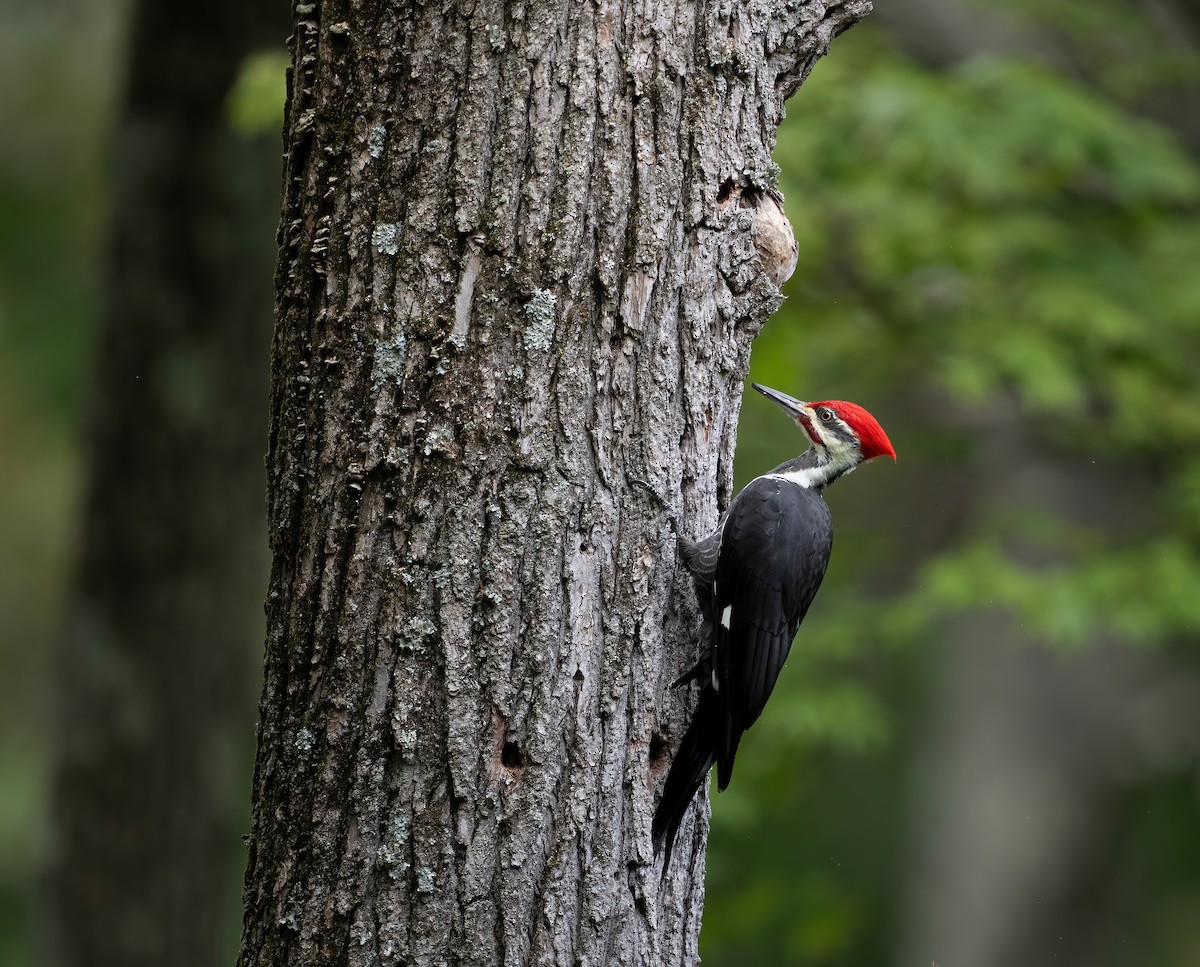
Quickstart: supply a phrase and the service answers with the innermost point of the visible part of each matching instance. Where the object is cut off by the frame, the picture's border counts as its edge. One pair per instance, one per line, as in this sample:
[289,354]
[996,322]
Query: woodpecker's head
[843,434]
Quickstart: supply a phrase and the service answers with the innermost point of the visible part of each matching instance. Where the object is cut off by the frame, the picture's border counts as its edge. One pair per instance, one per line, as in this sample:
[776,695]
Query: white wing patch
[725,615]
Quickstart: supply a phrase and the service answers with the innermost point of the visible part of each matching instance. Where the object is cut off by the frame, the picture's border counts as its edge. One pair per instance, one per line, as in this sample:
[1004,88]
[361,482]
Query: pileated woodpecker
[755,577]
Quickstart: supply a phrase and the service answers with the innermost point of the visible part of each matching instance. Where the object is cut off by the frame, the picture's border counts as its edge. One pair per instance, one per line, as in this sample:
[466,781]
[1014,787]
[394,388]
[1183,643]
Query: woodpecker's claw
[698,671]
[666,508]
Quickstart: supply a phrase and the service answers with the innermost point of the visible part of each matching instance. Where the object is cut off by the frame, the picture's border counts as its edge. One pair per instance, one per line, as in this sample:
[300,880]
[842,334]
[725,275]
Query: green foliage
[1146,593]
[996,236]
[994,260]
[1123,45]
[255,102]
[56,87]
[1165,929]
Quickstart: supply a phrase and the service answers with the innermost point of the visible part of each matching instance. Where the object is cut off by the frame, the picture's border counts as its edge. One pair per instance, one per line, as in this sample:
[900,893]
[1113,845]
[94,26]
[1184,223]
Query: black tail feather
[727,748]
[696,755]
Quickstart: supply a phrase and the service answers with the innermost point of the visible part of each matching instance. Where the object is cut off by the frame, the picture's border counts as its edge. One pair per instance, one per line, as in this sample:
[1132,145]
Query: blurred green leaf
[256,100]
[990,248]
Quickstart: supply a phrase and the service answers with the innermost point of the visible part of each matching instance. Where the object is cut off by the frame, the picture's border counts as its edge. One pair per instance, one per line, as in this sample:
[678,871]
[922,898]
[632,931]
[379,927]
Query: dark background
[985,747]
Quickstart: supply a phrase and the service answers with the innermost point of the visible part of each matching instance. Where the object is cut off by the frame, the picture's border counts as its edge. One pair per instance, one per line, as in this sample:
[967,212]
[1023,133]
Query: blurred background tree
[156,672]
[987,747]
[156,669]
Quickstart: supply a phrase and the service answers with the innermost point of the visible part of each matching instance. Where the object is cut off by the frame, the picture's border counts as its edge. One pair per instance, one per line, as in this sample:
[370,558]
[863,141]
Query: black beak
[793,407]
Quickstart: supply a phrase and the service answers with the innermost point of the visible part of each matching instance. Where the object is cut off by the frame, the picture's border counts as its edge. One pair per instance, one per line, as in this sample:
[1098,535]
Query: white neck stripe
[807,478]
[821,474]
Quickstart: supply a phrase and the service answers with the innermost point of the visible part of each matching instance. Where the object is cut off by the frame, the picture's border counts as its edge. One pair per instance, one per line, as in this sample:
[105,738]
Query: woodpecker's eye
[825,413]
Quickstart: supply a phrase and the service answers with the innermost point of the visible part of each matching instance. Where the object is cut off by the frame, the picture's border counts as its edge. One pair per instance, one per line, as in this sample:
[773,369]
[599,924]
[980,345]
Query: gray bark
[159,640]
[518,273]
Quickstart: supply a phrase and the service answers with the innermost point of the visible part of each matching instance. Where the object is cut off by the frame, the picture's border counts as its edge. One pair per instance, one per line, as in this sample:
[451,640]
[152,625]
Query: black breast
[774,550]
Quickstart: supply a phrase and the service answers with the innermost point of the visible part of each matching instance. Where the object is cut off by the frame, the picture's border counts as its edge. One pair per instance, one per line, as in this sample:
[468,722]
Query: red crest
[872,440]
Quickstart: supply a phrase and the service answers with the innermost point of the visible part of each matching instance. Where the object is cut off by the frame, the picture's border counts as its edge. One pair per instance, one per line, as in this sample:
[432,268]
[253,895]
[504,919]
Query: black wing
[774,550]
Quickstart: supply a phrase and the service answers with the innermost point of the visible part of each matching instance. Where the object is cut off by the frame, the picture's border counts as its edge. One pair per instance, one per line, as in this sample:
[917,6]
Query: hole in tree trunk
[511,757]
[658,750]
[508,760]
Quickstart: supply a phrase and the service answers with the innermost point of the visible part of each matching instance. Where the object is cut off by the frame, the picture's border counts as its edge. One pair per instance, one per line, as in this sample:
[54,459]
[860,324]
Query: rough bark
[159,637]
[518,273]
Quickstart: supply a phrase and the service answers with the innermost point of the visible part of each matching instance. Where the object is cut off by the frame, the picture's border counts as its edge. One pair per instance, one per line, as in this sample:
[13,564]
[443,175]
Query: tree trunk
[159,640]
[518,275]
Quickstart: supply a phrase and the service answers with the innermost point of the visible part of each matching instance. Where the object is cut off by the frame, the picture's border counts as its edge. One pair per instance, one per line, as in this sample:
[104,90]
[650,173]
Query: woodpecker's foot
[700,557]
[699,671]
[666,508]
